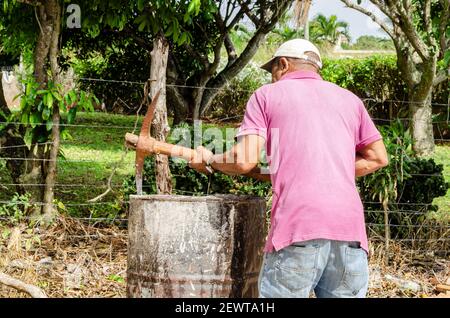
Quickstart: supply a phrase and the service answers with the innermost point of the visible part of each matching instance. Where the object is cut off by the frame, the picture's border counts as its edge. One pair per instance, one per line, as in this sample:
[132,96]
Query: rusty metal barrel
[184,246]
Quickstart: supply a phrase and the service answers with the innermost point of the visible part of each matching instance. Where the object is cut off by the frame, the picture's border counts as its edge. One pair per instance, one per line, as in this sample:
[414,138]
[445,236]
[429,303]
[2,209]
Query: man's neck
[306,67]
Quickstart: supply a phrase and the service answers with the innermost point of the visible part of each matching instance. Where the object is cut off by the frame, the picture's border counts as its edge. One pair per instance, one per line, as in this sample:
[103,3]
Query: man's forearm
[255,173]
[364,167]
[226,163]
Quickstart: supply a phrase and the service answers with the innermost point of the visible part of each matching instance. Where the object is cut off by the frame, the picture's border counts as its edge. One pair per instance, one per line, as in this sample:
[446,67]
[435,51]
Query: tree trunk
[33,175]
[418,77]
[48,209]
[160,125]
[422,126]
[231,71]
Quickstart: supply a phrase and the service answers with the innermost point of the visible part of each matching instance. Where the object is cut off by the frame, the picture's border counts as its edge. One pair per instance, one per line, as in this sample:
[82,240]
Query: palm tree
[285,30]
[328,29]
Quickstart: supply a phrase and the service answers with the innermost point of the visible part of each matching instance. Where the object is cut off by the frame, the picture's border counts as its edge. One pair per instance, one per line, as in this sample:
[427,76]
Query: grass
[99,149]
[99,146]
[442,156]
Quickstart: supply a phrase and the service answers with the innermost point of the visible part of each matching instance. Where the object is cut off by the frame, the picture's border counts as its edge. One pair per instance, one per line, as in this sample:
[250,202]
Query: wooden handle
[162,148]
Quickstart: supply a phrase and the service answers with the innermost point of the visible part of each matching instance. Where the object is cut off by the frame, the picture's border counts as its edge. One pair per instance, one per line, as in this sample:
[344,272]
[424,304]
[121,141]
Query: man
[325,138]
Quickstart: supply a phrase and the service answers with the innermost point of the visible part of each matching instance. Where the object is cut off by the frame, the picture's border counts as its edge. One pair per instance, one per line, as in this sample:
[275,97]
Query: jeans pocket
[356,270]
[296,268]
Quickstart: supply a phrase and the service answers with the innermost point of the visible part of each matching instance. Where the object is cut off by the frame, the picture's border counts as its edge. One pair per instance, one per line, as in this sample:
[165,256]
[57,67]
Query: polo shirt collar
[301,74]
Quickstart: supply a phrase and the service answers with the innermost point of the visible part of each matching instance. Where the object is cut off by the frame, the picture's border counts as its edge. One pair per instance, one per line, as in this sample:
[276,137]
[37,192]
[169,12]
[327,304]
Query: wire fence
[412,208]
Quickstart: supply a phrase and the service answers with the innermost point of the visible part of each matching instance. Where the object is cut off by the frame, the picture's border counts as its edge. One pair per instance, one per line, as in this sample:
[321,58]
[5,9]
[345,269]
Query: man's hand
[202,155]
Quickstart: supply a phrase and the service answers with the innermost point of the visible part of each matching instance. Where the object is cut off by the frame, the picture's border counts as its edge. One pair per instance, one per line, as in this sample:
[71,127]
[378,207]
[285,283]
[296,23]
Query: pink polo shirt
[313,129]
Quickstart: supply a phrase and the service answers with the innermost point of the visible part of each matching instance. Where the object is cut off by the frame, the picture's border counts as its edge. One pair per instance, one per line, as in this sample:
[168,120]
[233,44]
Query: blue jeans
[332,269]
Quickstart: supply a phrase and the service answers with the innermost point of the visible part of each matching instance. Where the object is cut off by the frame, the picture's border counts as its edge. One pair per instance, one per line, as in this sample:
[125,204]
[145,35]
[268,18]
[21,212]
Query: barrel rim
[203,198]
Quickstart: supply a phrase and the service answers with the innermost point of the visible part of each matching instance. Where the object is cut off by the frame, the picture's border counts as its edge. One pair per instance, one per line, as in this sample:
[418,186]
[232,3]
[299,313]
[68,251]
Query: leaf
[140,5]
[183,38]
[46,113]
[71,115]
[35,149]
[194,5]
[73,97]
[61,205]
[6,233]
[65,135]
[49,100]
[28,137]
[49,125]
[142,26]
[35,119]
[24,118]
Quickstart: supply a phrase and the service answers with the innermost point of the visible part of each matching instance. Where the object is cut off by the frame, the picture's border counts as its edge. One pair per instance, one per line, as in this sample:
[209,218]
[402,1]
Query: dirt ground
[72,259]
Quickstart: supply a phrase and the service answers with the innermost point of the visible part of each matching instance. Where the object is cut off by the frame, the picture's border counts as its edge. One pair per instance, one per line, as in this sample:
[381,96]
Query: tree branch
[410,31]
[199,57]
[233,69]
[244,5]
[30,2]
[441,77]
[32,290]
[142,42]
[384,7]
[383,25]
[427,16]
[445,17]
[231,51]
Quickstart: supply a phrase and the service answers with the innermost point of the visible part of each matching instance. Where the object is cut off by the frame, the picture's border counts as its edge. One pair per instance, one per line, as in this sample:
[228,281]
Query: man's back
[314,129]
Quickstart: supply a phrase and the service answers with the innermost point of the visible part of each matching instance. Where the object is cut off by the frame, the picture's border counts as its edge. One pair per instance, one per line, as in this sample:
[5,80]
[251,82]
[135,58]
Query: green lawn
[99,150]
[442,156]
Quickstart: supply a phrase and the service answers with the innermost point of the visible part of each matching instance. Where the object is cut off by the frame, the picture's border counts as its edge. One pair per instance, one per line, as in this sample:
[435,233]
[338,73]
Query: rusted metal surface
[207,246]
[146,145]
[144,137]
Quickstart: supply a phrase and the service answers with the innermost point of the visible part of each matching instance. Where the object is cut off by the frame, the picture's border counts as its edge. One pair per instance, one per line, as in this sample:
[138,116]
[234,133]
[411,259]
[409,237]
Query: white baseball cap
[295,48]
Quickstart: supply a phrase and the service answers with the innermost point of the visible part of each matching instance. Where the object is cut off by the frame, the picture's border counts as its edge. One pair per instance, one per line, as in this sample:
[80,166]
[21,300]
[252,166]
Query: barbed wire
[412,212]
[126,220]
[67,125]
[90,79]
[58,160]
[411,226]
[130,127]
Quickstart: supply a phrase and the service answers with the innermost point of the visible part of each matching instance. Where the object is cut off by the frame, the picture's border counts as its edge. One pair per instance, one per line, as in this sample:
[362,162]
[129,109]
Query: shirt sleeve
[368,132]
[255,118]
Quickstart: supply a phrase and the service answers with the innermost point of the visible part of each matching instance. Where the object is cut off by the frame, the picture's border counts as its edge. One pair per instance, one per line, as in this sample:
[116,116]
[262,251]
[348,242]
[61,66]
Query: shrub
[230,103]
[187,181]
[18,207]
[375,77]
[406,187]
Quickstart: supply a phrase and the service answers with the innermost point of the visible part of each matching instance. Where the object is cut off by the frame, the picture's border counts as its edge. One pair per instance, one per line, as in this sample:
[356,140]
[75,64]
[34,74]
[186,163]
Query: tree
[328,29]
[152,24]
[202,56]
[36,29]
[370,42]
[285,30]
[420,30]
[196,64]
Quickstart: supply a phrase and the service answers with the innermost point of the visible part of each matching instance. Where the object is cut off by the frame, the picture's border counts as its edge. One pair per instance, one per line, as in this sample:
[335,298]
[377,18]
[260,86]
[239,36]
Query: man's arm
[371,158]
[241,159]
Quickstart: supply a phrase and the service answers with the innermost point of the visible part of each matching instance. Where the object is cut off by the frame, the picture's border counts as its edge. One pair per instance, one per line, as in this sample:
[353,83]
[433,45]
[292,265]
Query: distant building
[341,40]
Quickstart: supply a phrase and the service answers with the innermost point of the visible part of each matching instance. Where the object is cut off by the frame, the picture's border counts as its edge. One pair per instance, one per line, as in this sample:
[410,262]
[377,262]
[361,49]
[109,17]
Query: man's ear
[283,64]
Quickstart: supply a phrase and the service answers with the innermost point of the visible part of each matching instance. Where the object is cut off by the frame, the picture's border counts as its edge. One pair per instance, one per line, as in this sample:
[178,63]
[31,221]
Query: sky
[359,24]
